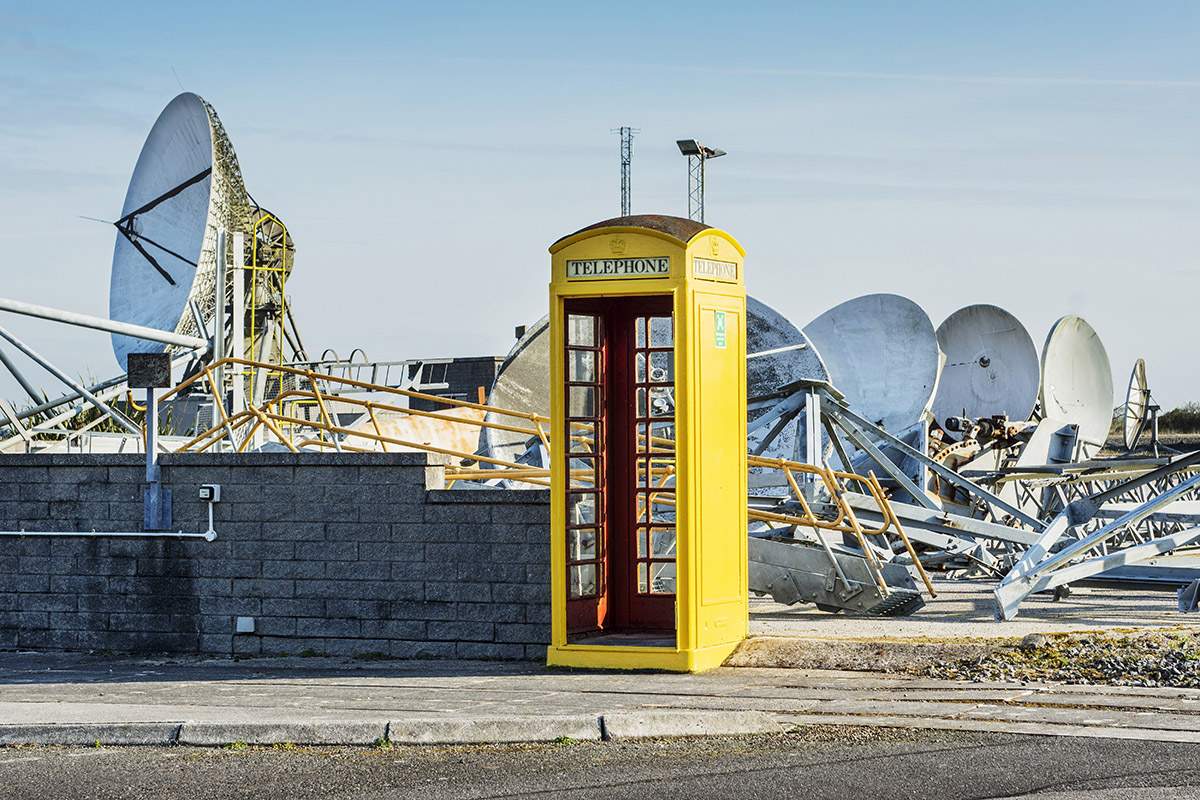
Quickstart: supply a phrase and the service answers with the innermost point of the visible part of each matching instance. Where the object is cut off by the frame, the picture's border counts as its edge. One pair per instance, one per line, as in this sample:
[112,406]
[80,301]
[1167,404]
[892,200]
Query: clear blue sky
[1040,156]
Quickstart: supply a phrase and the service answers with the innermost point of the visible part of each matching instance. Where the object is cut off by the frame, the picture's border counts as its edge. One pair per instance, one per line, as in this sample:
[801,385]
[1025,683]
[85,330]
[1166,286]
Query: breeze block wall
[345,554]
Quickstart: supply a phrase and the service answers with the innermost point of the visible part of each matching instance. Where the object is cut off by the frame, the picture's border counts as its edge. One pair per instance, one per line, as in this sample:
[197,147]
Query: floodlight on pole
[697,154]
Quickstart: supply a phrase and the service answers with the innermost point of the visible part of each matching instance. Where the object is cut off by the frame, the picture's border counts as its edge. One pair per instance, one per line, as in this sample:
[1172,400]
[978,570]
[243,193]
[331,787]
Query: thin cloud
[915,77]
[991,79]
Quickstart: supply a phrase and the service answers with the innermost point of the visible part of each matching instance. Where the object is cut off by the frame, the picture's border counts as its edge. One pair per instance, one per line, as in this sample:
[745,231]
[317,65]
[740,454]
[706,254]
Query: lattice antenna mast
[697,154]
[627,135]
[696,188]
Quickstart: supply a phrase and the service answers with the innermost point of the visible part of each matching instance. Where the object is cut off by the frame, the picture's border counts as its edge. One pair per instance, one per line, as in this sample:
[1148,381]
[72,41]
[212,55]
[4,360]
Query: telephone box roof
[676,227]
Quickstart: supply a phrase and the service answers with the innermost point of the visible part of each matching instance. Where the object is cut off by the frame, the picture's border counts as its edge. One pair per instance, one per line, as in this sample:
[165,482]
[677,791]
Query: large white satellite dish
[1077,383]
[882,354]
[991,366]
[185,186]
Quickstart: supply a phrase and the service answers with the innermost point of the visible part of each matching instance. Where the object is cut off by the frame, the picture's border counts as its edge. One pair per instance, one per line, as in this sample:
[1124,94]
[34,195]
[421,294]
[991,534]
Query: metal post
[218,387]
[152,371]
[626,168]
[153,515]
[696,188]
[16,373]
[259,377]
[238,321]
[814,454]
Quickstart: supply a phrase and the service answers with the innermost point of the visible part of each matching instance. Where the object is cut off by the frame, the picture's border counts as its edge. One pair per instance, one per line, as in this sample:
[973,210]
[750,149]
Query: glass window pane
[643,578]
[640,326]
[581,330]
[660,367]
[641,368]
[662,542]
[661,332]
[662,436]
[662,512]
[583,438]
[581,508]
[661,470]
[662,578]
[582,544]
[583,473]
[581,401]
[581,366]
[641,403]
[662,402]
[642,550]
[583,581]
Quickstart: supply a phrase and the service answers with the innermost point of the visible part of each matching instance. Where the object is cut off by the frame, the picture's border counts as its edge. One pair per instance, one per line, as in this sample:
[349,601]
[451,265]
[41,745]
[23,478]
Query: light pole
[697,154]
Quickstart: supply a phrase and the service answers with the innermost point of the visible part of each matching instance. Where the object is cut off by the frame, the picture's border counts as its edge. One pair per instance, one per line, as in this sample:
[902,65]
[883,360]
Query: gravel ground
[1183,442]
[1156,659]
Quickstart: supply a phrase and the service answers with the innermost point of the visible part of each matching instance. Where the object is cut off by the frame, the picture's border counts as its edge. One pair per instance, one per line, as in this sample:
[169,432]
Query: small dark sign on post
[148,370]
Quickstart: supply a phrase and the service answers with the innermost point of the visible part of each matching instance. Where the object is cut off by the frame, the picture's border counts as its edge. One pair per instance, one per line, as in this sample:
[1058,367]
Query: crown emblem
[714,244]
[617,245]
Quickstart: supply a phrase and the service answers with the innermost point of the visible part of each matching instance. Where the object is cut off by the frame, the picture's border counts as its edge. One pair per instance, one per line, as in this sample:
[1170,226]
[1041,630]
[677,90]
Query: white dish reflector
[991,366]
[1077,383]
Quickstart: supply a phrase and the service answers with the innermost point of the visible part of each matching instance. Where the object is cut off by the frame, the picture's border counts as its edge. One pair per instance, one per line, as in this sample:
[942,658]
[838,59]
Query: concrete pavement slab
[495,730]
[277,732]
[663,722]
[90,733]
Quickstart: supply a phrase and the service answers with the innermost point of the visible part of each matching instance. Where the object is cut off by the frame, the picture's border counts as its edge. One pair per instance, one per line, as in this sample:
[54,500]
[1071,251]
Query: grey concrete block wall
[346,554]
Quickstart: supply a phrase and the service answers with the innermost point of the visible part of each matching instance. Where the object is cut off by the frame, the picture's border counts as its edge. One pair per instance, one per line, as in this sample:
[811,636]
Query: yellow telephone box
[648,386]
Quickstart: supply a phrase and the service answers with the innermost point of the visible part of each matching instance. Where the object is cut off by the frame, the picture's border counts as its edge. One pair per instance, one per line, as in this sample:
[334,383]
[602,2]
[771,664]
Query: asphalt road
[813,764]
